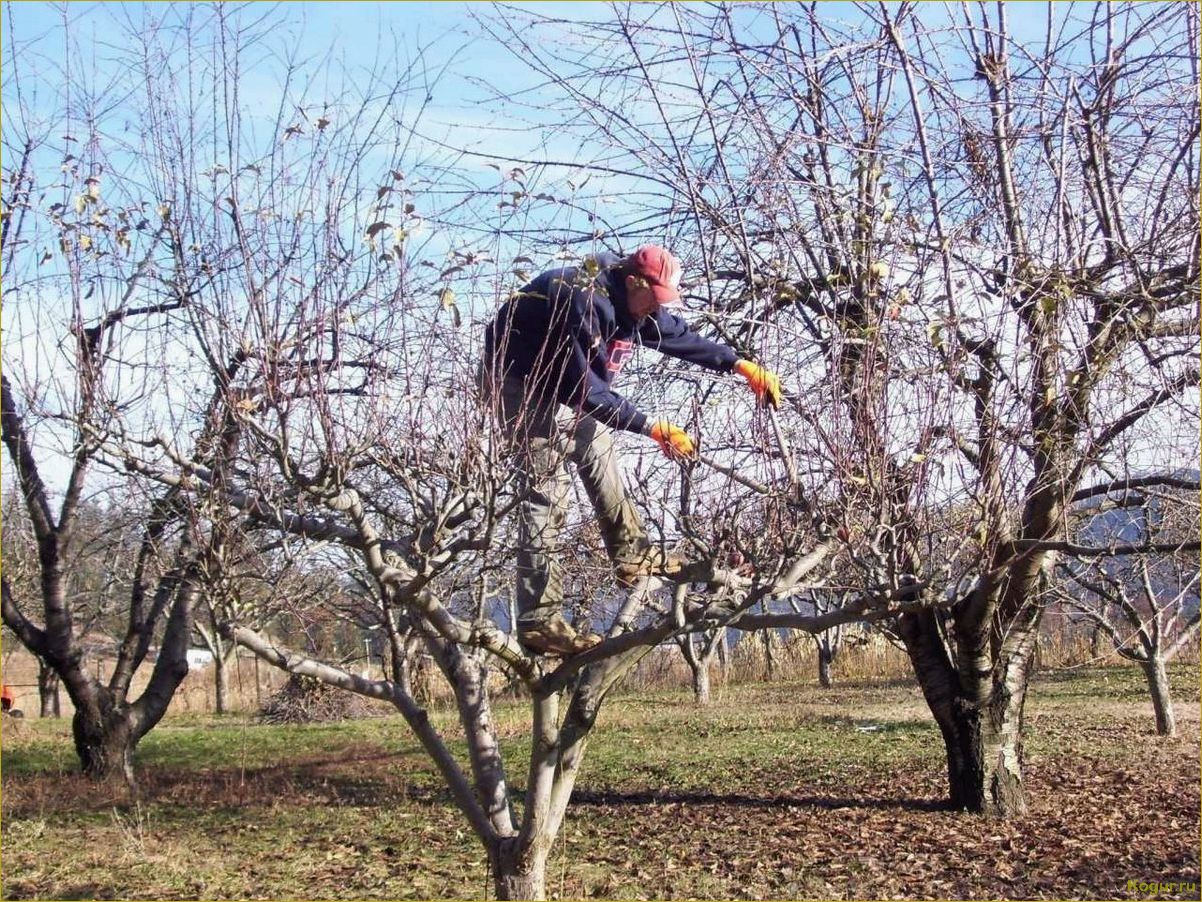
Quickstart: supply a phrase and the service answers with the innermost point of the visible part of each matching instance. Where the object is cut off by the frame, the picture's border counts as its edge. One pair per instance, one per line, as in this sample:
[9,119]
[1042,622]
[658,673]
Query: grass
[776,790]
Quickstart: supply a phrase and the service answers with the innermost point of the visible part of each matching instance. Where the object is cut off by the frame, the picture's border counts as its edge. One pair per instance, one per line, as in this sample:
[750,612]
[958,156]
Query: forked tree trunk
[518,876]
[698,656]
[1162,699]
[104,738]
[106,726]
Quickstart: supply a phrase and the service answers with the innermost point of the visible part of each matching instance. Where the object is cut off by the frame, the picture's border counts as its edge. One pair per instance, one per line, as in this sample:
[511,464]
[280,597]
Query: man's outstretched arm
[671,335]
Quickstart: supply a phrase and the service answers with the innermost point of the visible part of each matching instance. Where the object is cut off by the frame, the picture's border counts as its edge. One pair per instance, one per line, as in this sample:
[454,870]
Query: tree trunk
[825,659]
[106,727]
[769,655]
[410,654]
[984,764]
[1162,700]
[982,741]
[519,876]
[104,738]
[701,682]
[48,694]
[221,680]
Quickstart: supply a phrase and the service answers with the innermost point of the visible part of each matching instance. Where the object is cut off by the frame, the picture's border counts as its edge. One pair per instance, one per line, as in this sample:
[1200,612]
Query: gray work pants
[543,435]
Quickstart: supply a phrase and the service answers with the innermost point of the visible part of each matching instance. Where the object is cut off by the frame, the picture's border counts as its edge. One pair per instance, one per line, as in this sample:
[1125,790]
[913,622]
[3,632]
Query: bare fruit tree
[100,278]
[1145,604]
[700,650]
[76,313]
[972,250]
[829,643]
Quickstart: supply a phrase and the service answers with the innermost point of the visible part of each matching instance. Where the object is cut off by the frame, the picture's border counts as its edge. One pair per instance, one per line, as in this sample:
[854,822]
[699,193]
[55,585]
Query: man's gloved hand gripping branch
[673,441]
[765,383]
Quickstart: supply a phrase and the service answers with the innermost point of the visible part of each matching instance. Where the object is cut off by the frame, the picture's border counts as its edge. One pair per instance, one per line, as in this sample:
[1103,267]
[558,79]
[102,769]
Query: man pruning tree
[551,355]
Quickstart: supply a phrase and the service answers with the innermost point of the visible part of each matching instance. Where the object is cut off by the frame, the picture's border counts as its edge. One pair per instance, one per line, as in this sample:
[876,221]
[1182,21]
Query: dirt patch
[1092,827]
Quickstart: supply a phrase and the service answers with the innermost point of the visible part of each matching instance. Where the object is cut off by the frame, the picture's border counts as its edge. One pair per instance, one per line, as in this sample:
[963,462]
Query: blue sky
[356,34]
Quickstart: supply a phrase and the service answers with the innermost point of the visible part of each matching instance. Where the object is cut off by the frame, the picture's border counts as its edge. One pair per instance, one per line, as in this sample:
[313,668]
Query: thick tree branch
[1135,483]
[1140,410]
[385,690]
[1106,551]
[16,439]
[31,636]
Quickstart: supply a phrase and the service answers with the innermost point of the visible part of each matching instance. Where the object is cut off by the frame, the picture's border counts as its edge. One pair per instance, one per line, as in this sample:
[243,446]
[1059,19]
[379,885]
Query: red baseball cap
[661,269]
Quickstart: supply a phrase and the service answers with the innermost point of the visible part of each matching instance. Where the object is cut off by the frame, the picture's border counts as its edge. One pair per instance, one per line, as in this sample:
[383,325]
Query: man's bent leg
[593,452]
[595,455]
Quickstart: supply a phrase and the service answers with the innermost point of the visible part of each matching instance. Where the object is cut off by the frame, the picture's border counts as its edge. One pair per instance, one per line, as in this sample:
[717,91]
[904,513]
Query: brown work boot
[650,561]
[555,637]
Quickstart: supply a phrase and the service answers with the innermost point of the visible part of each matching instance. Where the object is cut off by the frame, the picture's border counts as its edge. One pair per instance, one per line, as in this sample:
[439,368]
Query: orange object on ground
[7,698]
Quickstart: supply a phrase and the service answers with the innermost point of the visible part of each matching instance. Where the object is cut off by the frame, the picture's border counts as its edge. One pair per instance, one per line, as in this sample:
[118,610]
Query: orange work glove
[765,383]
[673,441]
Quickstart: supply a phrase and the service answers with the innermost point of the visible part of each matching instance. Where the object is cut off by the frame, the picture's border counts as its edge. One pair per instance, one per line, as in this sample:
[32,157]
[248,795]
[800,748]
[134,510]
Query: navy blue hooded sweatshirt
[568,333]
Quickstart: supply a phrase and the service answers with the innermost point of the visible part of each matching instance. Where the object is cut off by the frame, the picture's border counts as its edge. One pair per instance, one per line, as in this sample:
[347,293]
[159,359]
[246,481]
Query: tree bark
[825,659]
[48,694]
[982,741]
[769,655]
[221,682]
[698,658]
[518,875]
[1162,699]
[701,682]
[984,763]
[104,738]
